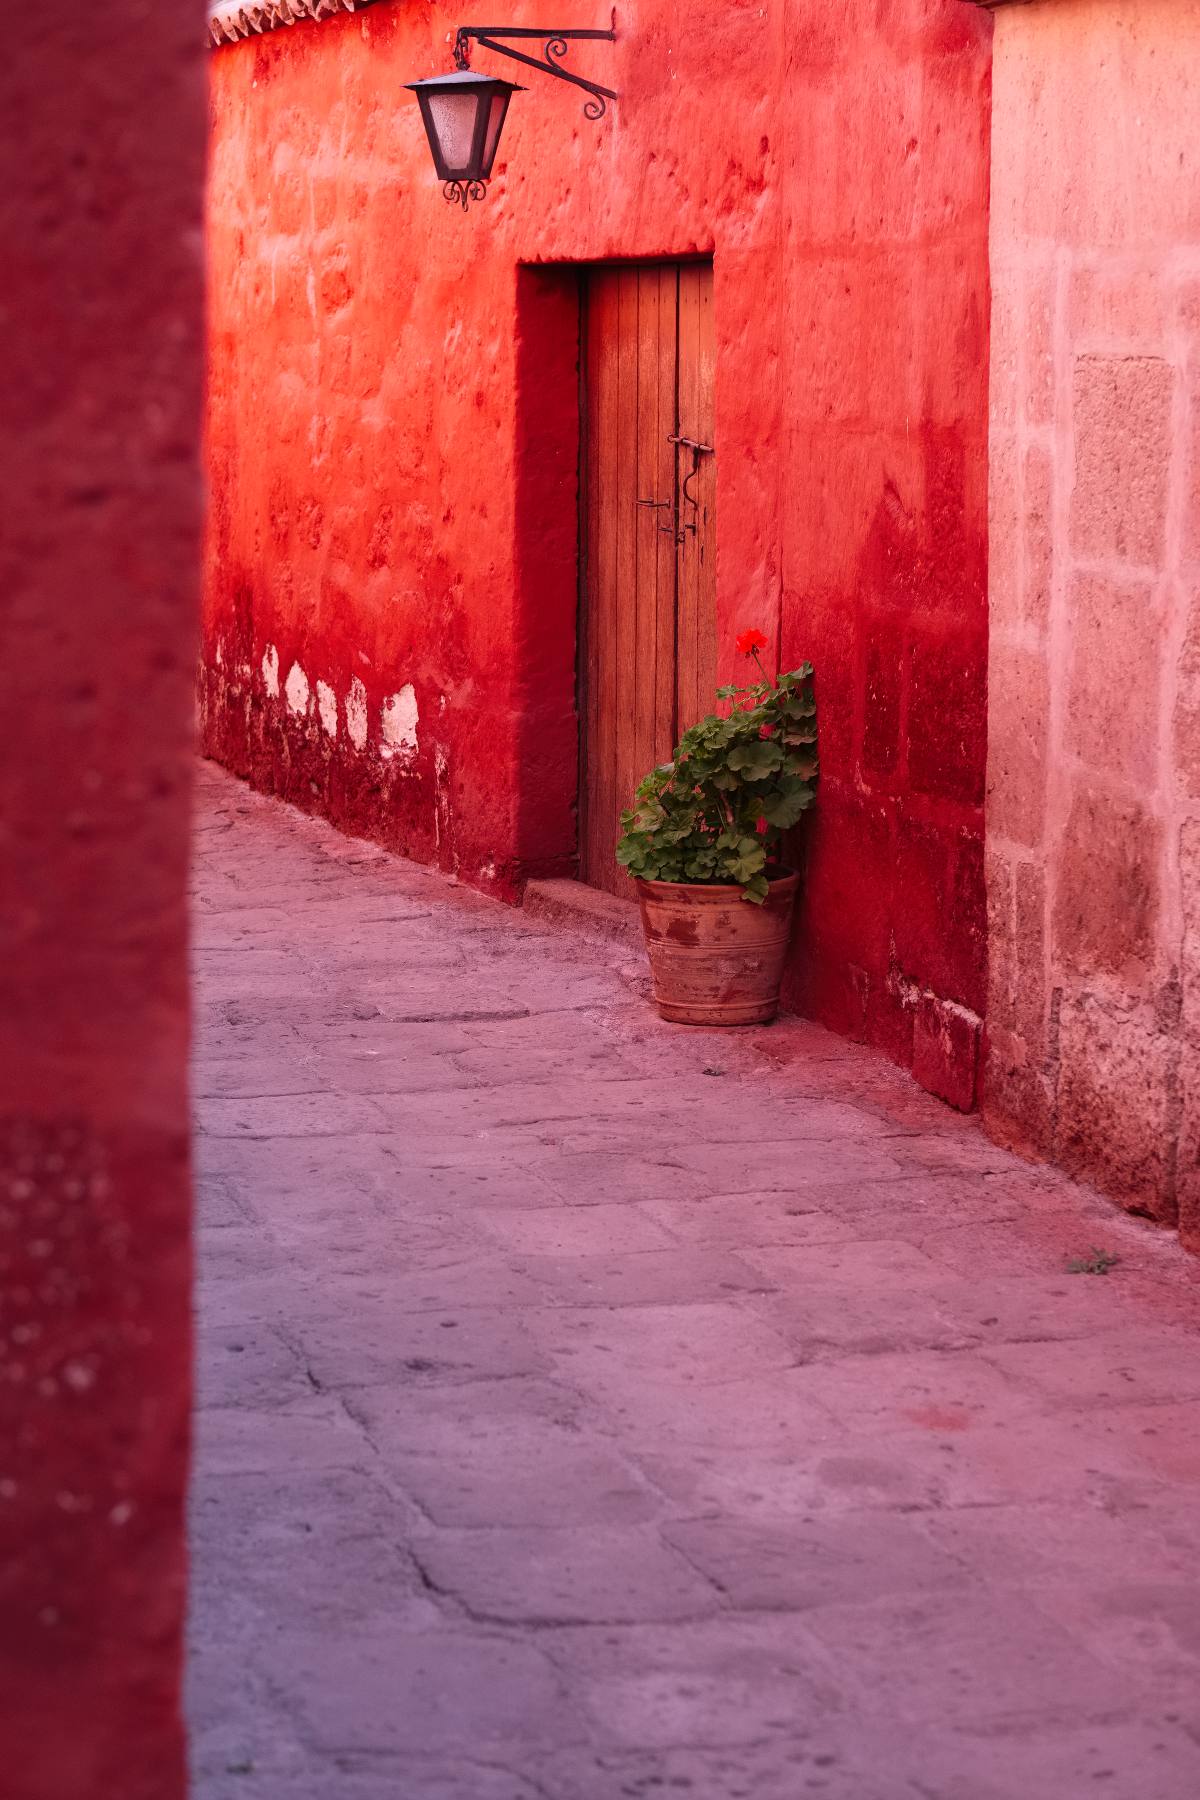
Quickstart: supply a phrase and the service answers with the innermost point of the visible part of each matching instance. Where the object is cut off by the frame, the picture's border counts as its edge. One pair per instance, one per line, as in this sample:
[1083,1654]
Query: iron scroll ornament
[461,193]
[597,106]
[555,49]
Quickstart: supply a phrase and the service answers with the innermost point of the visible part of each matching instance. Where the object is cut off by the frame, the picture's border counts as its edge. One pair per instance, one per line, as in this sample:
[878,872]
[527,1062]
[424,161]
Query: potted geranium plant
[704,842]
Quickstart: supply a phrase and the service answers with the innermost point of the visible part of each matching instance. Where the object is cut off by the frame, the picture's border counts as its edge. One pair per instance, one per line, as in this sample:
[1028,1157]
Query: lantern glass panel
[495,121]
[454,117]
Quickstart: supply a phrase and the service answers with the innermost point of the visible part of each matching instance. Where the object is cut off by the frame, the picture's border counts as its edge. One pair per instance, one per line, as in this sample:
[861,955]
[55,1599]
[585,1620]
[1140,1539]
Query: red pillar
[101,168]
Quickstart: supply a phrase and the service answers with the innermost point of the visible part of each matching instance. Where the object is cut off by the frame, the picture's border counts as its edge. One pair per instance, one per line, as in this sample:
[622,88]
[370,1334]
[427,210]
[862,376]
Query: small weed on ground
[1096,1262]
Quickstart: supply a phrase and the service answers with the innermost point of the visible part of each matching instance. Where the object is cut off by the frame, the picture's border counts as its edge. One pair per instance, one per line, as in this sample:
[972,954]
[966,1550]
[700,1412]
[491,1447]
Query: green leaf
[756,760]
[783,810]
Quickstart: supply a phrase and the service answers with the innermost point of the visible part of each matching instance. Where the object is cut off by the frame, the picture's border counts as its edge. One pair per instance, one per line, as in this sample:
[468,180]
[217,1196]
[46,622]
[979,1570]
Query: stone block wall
[1093,809]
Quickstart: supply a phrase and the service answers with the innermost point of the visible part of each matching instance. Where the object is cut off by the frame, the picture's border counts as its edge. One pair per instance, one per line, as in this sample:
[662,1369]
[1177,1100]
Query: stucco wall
[390,621]
[1094,756]
[101,165]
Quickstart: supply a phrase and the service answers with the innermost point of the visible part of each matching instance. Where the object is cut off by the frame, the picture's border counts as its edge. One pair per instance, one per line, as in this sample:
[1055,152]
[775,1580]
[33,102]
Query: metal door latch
[666,506]
[698,450]
[678,527]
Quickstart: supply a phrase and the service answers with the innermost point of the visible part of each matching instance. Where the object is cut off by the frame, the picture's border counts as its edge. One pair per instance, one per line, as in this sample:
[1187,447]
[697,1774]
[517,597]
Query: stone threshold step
[585,909]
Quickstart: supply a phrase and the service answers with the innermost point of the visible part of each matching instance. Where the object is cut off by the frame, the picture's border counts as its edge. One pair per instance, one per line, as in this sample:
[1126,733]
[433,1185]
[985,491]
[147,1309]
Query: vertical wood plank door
[647,664]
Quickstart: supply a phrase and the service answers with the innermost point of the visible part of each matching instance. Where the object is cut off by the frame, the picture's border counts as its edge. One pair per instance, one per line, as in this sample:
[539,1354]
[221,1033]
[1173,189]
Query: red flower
[749,642]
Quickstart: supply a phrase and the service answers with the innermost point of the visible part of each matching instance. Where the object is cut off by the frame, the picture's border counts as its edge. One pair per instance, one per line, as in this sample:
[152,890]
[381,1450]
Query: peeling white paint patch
[270,669]
[356,714]
[219,653]
[327,707]
[297,689]
[399,717]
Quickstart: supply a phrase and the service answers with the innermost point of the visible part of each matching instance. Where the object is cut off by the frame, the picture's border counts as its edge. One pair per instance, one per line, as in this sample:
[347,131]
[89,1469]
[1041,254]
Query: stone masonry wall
[1093,813]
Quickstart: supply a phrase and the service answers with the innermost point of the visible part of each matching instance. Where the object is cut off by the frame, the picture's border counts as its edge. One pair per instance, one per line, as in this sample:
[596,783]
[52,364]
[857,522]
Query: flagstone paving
[589,1407]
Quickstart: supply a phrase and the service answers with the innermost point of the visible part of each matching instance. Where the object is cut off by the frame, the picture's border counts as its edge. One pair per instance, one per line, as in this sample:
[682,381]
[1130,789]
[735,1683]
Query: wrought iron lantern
[464,113]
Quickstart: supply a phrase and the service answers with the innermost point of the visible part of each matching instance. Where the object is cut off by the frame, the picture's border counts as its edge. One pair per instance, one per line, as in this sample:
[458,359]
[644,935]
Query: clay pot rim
[717,889]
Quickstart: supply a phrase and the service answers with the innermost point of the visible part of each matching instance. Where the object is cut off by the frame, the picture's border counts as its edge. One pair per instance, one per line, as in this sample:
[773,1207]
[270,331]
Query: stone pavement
[592,1408]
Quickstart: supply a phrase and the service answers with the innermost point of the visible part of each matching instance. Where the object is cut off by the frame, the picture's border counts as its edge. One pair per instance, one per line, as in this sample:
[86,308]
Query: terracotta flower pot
[715,958]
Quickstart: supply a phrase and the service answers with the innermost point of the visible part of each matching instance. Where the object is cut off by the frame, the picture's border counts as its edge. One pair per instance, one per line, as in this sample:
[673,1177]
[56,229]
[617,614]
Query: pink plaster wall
[1093,811]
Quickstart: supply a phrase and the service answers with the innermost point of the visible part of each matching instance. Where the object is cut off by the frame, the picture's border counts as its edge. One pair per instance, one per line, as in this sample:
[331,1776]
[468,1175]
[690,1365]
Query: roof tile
[229,20]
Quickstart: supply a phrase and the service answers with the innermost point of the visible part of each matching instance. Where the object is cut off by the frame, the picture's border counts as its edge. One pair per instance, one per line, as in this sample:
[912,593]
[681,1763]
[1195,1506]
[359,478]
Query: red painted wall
[393,444]
[101,167]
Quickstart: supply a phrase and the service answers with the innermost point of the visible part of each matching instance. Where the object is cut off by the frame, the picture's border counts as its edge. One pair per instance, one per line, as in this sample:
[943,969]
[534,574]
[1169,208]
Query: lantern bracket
[554,50]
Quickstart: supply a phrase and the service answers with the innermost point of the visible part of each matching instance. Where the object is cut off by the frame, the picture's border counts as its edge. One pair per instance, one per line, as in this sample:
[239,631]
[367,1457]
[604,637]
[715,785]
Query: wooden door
[647,665]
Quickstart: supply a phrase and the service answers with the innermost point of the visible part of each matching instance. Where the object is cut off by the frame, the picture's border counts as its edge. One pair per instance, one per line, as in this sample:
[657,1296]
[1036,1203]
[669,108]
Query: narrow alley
[593,1408]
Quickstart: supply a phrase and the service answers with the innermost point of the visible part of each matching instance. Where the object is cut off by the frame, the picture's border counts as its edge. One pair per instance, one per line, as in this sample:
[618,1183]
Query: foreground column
[101,159]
